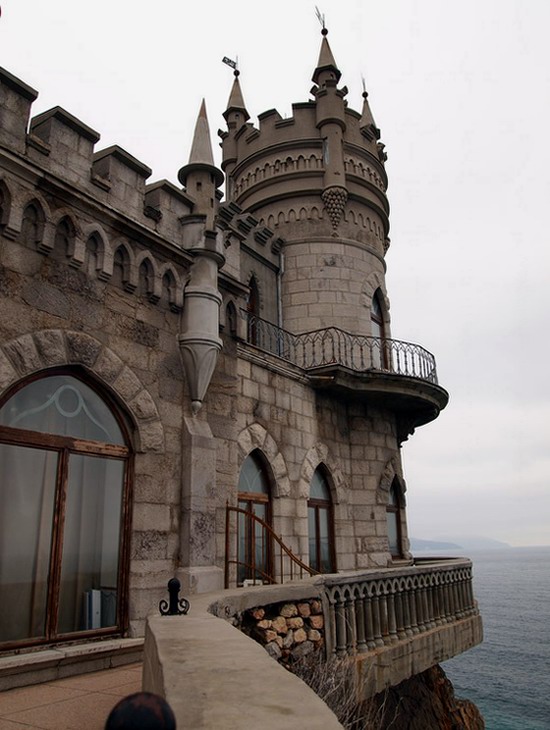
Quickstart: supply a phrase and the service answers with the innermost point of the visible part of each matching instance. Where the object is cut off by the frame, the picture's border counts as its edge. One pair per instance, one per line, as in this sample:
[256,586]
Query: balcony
[390,373]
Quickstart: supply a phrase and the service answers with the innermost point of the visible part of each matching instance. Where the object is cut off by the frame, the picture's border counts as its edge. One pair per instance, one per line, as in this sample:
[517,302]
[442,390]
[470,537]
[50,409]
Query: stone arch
[65,225]
[171,280]
[373,283]
[148,279]
[256,436]
[47,349]
[42,232]
[5,202]
[320,454]
[389,476]
[123,257]
[104,263]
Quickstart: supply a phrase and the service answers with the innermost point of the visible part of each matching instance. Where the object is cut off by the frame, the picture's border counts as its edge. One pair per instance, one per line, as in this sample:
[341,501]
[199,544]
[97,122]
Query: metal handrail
[334,346]
[272,549]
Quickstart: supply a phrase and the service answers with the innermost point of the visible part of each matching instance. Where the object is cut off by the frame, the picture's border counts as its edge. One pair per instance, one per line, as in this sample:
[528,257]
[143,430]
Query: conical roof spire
[236,100]
[201,149]
[326,60]
[201,156]
[367,122]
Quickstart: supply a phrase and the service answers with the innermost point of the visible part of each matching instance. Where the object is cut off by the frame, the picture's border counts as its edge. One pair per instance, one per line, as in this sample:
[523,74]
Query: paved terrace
[82,702]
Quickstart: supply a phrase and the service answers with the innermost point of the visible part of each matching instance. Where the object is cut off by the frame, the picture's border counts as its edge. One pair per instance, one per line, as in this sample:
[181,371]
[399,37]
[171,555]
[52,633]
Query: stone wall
[289,631]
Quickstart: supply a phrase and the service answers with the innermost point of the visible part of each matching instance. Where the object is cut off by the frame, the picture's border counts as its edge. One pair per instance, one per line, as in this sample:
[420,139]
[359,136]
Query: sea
[508,675]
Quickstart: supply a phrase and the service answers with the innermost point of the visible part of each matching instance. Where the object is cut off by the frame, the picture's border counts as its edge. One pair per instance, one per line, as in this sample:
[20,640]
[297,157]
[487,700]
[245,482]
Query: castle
[202,383]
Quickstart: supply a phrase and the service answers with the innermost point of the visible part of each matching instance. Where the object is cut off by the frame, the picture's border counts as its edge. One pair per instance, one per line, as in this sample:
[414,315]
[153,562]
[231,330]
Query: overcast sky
[461,94]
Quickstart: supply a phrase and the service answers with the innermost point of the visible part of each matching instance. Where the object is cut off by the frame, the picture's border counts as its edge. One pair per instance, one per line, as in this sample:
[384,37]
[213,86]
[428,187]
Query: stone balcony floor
[79,702]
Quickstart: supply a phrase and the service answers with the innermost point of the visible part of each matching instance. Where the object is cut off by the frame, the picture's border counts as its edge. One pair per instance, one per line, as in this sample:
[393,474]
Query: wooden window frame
[64,446]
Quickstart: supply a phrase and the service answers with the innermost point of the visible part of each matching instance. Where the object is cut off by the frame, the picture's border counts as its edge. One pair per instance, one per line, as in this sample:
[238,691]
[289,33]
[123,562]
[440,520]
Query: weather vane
[233,64]
[320,17]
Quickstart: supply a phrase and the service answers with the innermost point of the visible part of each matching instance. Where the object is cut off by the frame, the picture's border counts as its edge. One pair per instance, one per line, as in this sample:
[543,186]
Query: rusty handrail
[269,541]
[334,346]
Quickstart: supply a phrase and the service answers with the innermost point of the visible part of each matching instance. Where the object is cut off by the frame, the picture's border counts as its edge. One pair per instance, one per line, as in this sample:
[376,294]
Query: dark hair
[141,711]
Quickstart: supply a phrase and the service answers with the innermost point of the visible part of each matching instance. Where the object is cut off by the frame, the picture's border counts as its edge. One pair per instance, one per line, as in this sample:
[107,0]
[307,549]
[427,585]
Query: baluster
[384,619]
[351,644]
[428,609]
[401,634]
[412,601]
[369,623]
[332,627]
[406,612]
[431,603]
[392,621]
[376,621]
[439,598]
[340,627]
[446,602]
[420,619]
[360,617]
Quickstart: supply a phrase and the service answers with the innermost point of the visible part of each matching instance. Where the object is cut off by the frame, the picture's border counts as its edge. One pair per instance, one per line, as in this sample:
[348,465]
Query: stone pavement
[81,702]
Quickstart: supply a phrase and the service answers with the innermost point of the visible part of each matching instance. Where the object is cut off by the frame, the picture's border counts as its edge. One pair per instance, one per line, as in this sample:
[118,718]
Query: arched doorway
[254,545]
[64,505]
[320,524]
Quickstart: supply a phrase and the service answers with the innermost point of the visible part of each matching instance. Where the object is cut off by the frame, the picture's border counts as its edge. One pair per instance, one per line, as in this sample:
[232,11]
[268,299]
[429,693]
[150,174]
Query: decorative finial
[175,606]
[321,19]
[365,93]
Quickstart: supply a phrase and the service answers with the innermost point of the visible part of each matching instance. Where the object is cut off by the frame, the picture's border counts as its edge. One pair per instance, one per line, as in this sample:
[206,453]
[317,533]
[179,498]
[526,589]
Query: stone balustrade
[370,611]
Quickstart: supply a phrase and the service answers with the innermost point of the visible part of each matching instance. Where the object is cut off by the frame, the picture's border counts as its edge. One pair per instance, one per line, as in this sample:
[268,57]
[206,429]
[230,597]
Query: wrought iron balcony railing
[333,346]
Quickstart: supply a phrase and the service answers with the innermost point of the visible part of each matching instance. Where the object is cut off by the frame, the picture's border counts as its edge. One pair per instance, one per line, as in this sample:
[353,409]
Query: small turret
[331,111]
[236,115]
[200,176]
[199,341]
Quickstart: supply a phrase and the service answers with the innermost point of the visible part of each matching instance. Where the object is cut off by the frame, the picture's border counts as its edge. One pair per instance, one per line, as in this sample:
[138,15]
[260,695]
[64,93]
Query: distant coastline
[458,543]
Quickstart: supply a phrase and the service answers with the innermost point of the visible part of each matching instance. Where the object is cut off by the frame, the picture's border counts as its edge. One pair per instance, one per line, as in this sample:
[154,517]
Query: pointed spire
[367,123]
[201,149]
[236,100]
[201,156]
[326,60]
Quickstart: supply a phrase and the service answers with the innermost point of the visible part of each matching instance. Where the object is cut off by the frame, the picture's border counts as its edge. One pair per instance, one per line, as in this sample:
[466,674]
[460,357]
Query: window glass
[27,493]
[62,405]
[89,566]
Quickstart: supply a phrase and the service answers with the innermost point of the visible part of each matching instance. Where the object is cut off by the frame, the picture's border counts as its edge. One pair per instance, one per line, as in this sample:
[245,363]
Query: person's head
[141,711]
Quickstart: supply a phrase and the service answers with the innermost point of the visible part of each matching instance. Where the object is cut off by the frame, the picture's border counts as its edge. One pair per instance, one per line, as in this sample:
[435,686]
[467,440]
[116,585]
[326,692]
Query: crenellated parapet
[60,148]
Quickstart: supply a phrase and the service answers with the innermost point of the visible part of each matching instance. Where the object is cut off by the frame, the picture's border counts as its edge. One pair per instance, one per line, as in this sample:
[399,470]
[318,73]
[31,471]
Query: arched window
[393,520]
[253,309]
[379,345]
[63,504]
[320,525]
[231,318]
[254,547]
[64,238]
[32,225]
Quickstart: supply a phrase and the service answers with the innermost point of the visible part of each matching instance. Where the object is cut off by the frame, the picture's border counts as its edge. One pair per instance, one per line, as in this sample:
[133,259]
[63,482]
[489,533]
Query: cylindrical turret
[319,181]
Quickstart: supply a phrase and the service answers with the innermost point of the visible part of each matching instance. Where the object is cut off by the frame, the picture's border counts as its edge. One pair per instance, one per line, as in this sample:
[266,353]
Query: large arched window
[63,506]
[254,545]
[320,525]
[393,520]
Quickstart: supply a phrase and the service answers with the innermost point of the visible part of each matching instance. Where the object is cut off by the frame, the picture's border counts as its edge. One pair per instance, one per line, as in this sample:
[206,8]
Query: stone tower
[318,180]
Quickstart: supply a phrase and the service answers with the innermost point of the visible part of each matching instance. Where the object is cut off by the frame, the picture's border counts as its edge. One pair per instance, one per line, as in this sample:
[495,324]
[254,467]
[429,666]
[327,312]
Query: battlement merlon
[16,99]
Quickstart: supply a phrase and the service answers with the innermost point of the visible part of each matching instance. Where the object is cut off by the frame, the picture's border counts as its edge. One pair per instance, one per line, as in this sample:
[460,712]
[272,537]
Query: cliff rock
[425,702]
